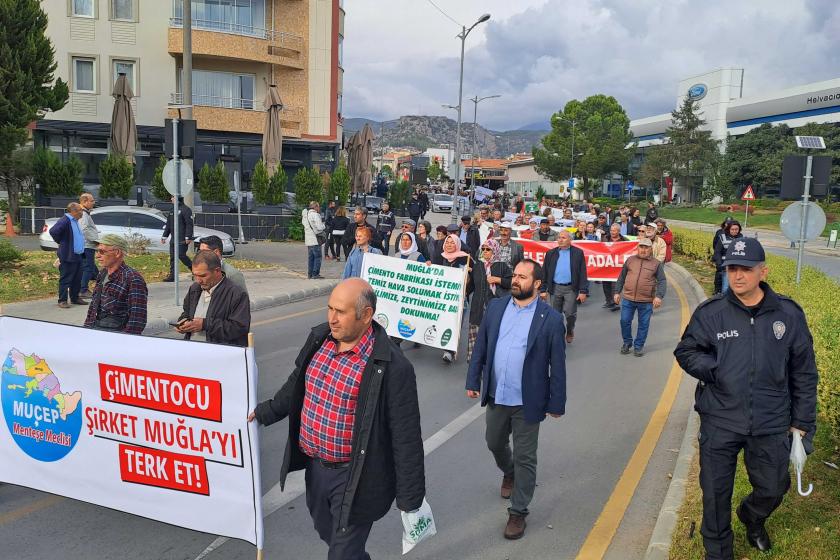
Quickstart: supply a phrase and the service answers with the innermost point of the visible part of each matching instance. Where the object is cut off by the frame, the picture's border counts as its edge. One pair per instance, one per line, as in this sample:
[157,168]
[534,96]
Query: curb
[659,546]
[161,324]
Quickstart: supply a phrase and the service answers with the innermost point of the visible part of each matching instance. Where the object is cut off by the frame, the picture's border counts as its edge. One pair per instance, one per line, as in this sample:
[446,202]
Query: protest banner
[149,426]
[604,261]
[417,302]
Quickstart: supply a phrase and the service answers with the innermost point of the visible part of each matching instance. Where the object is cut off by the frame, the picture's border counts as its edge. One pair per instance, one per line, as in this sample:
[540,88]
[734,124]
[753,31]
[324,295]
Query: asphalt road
[581,457]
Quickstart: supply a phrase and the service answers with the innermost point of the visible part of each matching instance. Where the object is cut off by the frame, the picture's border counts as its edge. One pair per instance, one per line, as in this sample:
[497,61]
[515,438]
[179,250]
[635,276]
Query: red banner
[604,261]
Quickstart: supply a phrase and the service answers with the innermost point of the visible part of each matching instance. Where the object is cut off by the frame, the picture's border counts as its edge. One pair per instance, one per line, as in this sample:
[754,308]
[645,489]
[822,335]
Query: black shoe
[625,348]
[168,279]
[638,352]
[317,277]
[607,305]
[756,534]
[80,301]
[615,307]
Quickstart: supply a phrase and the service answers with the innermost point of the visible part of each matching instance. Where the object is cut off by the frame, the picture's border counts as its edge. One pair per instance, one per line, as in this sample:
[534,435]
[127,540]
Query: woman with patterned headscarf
[454,257]
[407,248]
[489,278]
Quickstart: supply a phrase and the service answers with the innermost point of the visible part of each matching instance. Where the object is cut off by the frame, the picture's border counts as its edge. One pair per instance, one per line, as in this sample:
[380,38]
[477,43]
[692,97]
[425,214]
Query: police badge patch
[779,330]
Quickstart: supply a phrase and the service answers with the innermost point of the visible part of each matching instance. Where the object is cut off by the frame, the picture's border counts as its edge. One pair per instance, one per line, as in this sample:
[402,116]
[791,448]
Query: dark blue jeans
[314,260]
[628,309]
[89,270]
[69,281]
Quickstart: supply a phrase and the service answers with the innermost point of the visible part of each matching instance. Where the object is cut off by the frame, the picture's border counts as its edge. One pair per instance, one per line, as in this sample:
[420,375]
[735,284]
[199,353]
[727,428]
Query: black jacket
[757,375]
[349,238]
[414,208]
[473,241]
[387,460]
[228,315]
[721,244]
[651,215]
[580,282]
[479,287]
[185,224]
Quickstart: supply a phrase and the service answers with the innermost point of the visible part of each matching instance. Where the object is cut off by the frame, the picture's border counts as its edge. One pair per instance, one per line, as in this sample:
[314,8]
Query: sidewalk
[767,237]
[267,288]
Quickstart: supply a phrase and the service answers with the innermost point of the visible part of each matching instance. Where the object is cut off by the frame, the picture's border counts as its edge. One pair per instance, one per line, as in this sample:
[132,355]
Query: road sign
[170,175]
[791,221]
[748,194]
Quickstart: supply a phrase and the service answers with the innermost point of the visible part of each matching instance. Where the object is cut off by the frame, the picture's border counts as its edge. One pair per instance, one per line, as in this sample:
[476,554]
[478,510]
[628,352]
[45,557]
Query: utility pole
[186,87]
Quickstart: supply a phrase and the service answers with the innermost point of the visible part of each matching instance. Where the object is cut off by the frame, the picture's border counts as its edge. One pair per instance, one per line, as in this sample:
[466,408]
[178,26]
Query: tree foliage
[434,172]
[597,141]
[339,188]
[158,188]
[57,177]
[27,66]
[387,172]
[277,186]
[213,184]
[398,195]
[308,186]
[259,183]
[690,151]
[116,175]
[16,174]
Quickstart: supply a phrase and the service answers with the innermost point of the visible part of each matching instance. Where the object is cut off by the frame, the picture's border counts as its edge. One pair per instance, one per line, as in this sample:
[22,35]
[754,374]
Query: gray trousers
[502,421]
[564,300]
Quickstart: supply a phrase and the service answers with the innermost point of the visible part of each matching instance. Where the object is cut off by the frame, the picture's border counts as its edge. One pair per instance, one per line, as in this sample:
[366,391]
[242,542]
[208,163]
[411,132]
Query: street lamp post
[463,36]
[476,100]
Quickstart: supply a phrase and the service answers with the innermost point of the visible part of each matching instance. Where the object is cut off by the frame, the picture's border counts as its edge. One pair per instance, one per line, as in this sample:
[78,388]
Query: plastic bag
[797,459]
[417,526]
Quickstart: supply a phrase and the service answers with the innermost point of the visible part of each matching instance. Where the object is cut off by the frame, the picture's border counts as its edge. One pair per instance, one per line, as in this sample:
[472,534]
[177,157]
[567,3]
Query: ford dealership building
[726,112]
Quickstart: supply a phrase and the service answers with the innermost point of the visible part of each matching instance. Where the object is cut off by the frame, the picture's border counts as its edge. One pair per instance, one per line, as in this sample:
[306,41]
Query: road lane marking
[274,499]
[287,317]
[603,531]
[28,509]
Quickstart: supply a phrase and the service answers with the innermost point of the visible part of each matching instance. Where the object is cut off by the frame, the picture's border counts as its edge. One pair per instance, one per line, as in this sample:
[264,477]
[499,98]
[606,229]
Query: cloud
[539,55]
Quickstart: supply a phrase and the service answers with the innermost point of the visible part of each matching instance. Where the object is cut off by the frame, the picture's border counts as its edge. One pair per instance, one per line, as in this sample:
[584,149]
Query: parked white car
[441,203]
[131,220]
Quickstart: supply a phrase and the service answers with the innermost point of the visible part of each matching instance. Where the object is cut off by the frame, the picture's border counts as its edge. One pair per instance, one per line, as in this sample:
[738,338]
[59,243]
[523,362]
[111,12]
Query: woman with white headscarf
[407,248]
[452,256]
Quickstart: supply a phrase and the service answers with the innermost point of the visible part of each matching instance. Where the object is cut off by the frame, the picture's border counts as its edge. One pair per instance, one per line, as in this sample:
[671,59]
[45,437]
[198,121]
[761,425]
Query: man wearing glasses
[119,299]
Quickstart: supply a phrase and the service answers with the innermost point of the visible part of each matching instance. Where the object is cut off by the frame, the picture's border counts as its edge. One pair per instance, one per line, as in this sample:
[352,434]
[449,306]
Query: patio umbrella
[364,158]
[352,155]
[123,127]
[272,141]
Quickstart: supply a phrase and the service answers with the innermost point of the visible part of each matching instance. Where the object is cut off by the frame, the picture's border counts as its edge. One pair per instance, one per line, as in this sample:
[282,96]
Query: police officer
[753,355]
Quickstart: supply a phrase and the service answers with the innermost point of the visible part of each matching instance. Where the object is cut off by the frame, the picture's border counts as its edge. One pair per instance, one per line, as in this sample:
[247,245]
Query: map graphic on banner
[44,421]
[149,426]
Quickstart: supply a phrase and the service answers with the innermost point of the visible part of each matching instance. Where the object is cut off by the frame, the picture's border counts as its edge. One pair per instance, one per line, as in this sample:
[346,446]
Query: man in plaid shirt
[354,423]
[120,297]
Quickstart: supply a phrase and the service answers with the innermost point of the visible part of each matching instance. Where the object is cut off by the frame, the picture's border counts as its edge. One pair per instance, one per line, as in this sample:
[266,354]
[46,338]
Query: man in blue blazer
[518,368]
[71,253]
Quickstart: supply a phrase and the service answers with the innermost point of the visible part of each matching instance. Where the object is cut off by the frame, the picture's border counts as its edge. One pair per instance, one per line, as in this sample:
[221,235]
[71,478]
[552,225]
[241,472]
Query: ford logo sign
[697,92]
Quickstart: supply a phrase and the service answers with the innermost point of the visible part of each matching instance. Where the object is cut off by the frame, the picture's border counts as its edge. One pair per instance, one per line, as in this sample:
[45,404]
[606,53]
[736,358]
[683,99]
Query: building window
[222,89]
[129,68]
[341,51]
[122,10]
[242,17]
[83,8]
[84,73]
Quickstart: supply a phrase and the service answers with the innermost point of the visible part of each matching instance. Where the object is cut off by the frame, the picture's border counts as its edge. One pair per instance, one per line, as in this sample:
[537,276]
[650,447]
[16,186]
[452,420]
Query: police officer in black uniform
[753,355]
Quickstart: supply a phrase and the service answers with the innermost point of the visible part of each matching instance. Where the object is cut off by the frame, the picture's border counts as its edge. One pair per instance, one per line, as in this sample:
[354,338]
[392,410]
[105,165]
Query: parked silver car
[441,203]
[131,220]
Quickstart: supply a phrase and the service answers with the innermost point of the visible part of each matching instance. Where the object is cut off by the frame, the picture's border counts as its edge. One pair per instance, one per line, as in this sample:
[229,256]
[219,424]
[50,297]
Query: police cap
[744,251]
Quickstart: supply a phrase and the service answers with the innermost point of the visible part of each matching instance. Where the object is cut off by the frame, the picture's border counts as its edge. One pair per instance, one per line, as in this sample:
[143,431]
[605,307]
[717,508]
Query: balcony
[237,115]
[228,40]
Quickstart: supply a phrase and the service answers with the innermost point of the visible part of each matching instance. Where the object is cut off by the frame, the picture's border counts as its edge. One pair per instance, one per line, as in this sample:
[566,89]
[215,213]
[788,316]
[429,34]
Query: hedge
[818,294]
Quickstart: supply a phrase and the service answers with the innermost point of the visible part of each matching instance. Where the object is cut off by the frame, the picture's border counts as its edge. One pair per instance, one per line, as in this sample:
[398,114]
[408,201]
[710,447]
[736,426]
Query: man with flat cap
[753,356]
[120,296]
[470,238]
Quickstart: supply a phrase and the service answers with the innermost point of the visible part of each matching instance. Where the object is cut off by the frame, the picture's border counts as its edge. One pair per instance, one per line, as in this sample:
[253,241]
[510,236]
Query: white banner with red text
[415,301]
[150,426]
[604,261]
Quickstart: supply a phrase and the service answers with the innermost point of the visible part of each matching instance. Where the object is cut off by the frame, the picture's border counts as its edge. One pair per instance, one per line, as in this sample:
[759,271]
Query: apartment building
[239,47]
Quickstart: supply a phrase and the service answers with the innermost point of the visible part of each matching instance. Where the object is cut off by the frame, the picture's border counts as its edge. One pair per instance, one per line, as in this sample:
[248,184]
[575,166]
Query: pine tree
[27,65]
[691,153]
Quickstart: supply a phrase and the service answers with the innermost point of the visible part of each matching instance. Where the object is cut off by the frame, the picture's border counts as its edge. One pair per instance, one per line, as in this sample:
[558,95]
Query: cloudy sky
[401,56]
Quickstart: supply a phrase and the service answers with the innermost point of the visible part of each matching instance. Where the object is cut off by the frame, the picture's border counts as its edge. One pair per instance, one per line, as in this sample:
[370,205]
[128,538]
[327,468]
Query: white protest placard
[417,302]
[150,426]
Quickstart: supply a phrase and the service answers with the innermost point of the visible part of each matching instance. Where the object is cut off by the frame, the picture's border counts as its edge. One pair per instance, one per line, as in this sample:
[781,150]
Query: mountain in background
[540,126]
[421,132]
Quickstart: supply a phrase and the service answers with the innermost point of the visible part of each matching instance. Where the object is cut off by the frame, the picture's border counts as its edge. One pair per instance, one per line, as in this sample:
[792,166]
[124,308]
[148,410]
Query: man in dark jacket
[71,253]
[215,309]
[565,281]
[753,356]
[414,208]
[614,236]
[470,238]
[359,219]
[651,214]
[185,232]
[518,367]
[354,423]
[423,197]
